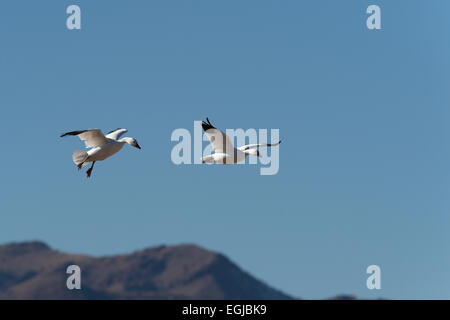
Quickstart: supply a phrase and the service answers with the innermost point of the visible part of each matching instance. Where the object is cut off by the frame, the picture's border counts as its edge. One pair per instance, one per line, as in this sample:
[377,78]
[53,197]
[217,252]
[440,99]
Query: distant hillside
[32,270]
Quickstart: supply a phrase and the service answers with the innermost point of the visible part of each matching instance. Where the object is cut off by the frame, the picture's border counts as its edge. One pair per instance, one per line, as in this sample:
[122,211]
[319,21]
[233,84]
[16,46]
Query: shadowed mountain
[32,270]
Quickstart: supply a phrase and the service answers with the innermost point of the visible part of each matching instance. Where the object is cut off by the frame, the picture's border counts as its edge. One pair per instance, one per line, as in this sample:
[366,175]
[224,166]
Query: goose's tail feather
[79,156]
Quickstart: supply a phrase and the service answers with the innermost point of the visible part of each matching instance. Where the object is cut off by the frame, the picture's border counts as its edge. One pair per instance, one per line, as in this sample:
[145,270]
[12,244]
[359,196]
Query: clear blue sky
[364,165]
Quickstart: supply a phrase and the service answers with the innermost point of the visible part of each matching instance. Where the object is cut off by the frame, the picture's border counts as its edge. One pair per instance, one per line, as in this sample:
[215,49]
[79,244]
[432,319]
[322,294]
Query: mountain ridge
[33,270]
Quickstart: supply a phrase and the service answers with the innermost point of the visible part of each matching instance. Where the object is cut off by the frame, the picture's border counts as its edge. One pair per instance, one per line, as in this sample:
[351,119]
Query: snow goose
[224,150]
[102,146]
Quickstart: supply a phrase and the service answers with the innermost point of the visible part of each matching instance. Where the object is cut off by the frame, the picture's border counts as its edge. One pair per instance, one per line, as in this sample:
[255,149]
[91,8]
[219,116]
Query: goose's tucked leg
[79,166]
[89,171]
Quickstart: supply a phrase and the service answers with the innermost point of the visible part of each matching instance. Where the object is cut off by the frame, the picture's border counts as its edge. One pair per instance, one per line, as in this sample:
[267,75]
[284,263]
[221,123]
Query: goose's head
[131,141]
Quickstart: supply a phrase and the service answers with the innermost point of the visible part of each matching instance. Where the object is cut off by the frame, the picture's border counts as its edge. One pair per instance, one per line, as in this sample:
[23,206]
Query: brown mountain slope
[32,270]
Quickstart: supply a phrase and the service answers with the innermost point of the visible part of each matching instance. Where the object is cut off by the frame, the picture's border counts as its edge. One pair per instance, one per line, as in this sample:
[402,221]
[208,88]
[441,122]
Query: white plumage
[102,147]
[224,150]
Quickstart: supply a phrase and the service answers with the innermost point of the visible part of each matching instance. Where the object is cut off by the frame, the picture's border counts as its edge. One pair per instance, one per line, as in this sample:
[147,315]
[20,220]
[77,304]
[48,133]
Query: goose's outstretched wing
[221,143]
[256,146]
[116,134]
[92,137]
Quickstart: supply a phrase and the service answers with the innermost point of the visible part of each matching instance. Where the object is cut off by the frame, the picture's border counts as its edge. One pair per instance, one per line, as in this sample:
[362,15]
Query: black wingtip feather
[114,130]
[271,144]
[72,133]
[207,125]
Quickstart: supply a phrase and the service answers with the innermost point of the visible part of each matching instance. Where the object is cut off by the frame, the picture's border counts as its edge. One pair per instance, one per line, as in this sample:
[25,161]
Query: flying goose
[224,150]
[102,146]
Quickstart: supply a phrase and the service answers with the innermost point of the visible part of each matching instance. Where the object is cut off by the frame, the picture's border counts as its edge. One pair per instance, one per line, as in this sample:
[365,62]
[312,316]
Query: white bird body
[226,158]
[224,150]
[102,147]
[104,152]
